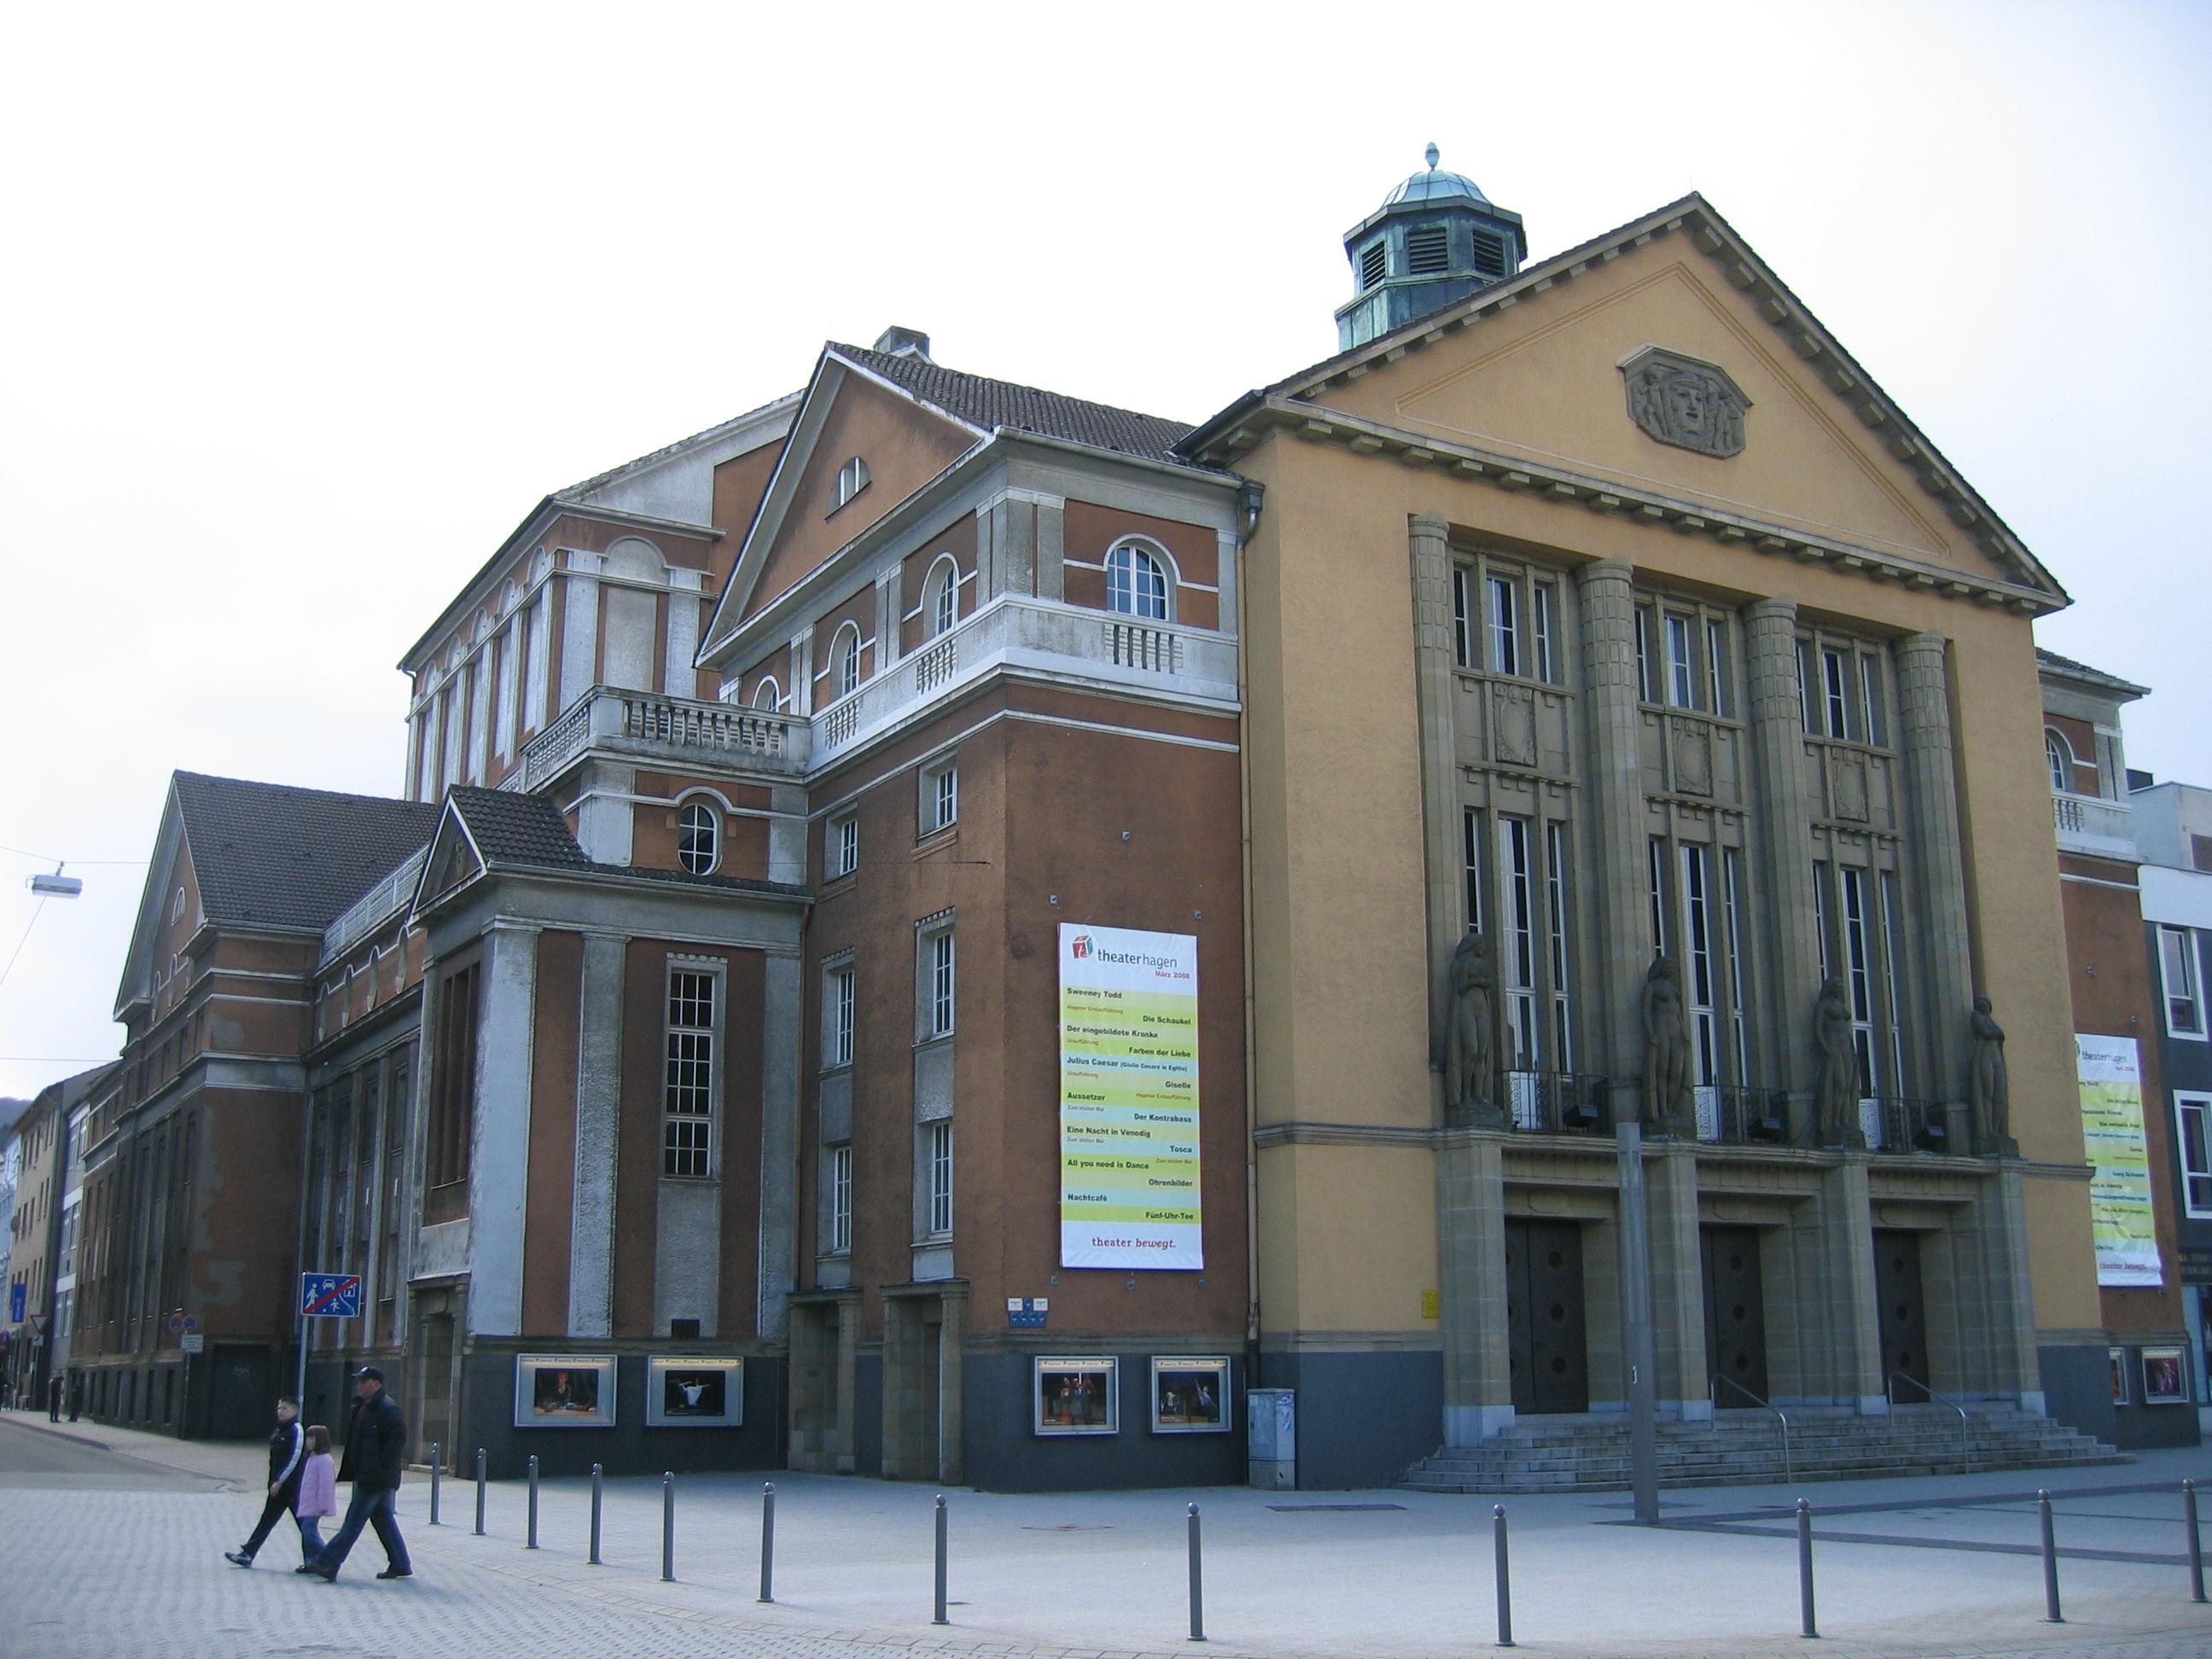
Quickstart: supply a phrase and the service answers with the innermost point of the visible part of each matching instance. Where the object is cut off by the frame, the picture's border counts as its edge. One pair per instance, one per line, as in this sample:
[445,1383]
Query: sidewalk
[239,1462]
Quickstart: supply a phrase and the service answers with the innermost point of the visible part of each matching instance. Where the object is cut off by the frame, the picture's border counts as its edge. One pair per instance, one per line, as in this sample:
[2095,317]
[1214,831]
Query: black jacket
[375,1443]
[287,1455]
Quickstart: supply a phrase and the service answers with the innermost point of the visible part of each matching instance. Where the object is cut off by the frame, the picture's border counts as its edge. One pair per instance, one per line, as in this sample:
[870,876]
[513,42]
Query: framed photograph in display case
[564,1391]
[695,1391]
[2165,1376]
[2122,1395]
[1078,1394]
[1190,1393]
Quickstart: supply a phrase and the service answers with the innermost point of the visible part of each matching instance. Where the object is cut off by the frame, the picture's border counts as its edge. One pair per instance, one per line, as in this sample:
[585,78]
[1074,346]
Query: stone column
[781,1015]
[1787,919]
[599,1110]
[1619,862]
[952,1345]
[1678,1282]
[887,618]
[580,627]
[498,1165]
[1471,1287]
[1434,689]
[1052,548]
[1999,1338]
[848,1369]
[1847,1271]
[1938,876]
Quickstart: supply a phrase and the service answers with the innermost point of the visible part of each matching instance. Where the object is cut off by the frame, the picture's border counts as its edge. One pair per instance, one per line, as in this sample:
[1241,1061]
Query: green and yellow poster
[2112,1142]
[1128,1099]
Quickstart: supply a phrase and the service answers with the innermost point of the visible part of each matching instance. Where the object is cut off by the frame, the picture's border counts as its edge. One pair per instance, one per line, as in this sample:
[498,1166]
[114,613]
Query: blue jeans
[370,1506]
[311,1536]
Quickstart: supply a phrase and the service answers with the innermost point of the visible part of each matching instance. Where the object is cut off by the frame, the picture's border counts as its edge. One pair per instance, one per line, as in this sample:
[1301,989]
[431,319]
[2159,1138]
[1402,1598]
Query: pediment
[452,862]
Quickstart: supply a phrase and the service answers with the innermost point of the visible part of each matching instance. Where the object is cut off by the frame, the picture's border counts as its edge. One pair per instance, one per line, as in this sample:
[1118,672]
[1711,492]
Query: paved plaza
[114,1540]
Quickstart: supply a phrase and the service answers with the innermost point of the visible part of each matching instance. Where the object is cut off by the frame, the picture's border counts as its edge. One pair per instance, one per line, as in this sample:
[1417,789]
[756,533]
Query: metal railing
[1912,1126]
[1743,1115]
[1559,1103]
[1789,1469]
[1966,1428]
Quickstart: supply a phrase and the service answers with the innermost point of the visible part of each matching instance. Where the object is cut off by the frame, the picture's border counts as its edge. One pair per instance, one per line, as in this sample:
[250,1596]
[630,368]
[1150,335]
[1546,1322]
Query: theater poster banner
[1128,1099]
[2119,1159]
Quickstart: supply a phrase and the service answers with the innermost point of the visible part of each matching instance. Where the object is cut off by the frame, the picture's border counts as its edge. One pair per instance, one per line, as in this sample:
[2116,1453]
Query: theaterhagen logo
[1079,946]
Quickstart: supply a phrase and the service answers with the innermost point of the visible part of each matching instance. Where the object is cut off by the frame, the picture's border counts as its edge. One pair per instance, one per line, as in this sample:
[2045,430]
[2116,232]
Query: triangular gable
[846,409]
[454,860]
[1484,378]
[170,850]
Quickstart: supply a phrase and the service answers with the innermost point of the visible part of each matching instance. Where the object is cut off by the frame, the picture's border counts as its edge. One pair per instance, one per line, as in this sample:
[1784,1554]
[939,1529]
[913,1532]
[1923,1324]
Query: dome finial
[1431,154]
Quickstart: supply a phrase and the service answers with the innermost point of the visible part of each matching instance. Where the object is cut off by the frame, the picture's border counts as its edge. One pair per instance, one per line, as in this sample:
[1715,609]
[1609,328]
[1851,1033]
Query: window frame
[774,689]
[936,806]
[687,834]
[940,1175]
[678,1157]
[938,595]
[845,658]
[838,1005]
[838,1207]
[2192,970]
[1516,639]
[936,978]
[2186,1101]
[853,477]
[1128,562]
[2058,756]
[840,845]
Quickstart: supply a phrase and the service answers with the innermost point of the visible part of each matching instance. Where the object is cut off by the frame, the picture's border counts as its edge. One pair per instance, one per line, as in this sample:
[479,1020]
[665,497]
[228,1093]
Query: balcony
[675,731]
[2099,827]
[1078,648]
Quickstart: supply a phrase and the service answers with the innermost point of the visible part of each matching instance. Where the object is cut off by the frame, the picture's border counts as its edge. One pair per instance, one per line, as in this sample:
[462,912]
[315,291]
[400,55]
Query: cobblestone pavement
[114,1543]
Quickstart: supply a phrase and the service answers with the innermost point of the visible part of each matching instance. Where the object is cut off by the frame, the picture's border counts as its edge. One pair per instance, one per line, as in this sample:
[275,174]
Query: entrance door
[1904,1313]
[1549,1358]
[1735,1315]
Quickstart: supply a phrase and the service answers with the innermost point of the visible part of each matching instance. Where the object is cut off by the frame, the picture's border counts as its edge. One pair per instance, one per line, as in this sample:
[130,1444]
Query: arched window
[1135,584]
[942,592]
[769,695]
[845,658]
[852,479]
[2059,754]
[699,838]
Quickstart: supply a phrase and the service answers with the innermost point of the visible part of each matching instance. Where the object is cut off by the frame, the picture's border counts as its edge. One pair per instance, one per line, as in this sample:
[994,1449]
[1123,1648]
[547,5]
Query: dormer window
[1374,263]
[1428,250]
[852,479]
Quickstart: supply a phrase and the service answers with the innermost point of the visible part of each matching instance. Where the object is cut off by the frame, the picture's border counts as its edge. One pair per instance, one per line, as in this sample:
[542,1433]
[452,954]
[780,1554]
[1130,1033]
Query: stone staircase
[1590,1453]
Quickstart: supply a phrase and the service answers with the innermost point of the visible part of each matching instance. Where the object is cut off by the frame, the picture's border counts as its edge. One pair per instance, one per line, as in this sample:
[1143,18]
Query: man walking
[286,1450]
[375,1451]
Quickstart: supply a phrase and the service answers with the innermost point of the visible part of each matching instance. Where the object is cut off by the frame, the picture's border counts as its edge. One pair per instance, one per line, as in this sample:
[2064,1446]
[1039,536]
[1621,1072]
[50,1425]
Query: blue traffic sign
[329,1295]
[16,1302]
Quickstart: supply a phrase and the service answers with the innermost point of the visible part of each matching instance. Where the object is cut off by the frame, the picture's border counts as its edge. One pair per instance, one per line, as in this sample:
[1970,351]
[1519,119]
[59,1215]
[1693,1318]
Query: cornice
[1316,422]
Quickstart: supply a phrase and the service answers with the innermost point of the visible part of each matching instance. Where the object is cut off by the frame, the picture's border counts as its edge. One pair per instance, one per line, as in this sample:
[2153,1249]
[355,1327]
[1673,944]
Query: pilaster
[1618,865]
[1999,1290]
[1440,796]
[1471,1288]
[598,1105]
[499,1162]
[951,1344]
[580,626]
[1788,919]
[1052,548]
[887,618]
[781,1016]
[1678,1288]
[848,1373]
[1939,876]
[1853,1320]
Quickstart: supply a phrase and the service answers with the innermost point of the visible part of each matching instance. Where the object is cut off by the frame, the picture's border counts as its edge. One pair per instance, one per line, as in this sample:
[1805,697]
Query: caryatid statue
[1837,1097]
[1669,1106]
[1989,1088]
[1469,1023]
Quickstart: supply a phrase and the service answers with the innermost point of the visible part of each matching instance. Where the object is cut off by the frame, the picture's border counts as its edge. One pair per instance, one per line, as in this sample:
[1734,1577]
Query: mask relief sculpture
[1467,1048]
[1988,1089]
[1681,401]
[1837,1094]
[1668,1107]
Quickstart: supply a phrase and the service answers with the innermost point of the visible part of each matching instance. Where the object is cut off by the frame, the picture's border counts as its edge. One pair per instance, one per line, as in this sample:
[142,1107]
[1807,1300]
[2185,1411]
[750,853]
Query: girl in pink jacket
[318,1492]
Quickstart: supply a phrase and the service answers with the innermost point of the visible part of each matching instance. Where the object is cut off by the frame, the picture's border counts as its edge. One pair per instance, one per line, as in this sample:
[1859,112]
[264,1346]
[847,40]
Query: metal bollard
[1806,1627]
[595,1515]
[940,1619]
[2050,1615]
[480,1495]
[533,1544]
[2195,1543]
[668,1526]
[1197,1583]
[767,1542]
[433,1483]
[1505,1577]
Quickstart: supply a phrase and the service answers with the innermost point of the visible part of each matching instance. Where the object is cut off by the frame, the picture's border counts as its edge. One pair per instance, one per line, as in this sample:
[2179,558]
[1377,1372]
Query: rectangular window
[1836,688]
[940,1178]
[841,1199]
[1892,973]
[1732,900]
[1517,890]
[453,1083]
[1805,699]
[1462,643]
[1505,627]
[2193,1121]
[940,983]
[1877,714]
[689,1082]
[1699,979]
[1858,958]
[940,797]
[1643,690]
[845,845]
[2177,963]
[1546,607]
[1821,922]
[1681,670]
[1555,893]
[1717,696]
[1658,874]
[837,1018]
[1471,827]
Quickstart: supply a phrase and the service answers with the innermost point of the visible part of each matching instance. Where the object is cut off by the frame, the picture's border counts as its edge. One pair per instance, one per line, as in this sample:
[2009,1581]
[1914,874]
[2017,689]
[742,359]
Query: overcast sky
[311,306]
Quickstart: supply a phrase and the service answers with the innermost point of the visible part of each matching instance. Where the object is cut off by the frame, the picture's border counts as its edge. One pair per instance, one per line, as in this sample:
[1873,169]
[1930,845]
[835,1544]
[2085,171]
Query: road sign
[329,1295]
[176,1324]
[193,1342]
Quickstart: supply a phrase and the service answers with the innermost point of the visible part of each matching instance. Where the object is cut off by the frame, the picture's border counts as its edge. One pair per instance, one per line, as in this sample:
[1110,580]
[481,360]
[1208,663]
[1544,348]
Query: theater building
[944,931]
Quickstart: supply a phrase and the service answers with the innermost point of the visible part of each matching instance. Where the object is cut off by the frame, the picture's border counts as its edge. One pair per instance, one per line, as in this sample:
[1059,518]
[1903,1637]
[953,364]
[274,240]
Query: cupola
[1436,239]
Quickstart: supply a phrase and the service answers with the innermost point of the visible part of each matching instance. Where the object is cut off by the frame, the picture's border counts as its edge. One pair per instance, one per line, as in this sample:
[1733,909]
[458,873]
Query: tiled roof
[989,404]
[513,830]
[2051,659]
[270,855]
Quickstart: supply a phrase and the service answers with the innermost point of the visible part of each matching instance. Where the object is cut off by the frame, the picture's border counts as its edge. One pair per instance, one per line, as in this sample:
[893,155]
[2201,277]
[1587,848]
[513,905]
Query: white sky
[310,307]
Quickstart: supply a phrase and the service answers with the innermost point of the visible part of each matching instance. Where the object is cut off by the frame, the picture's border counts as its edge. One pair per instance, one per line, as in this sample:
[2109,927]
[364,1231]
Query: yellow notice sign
[2112,1140]
[1128,1099]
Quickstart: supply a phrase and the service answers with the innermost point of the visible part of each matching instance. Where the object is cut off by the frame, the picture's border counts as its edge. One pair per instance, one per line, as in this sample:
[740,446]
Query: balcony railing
[1894,1123]
[2089,823]
[373,906]
[1743,1115]
[1559,1103]
[648,726]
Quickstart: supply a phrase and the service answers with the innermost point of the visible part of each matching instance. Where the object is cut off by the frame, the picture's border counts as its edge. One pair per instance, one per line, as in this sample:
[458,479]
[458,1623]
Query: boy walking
[375,1452]
[286,1448]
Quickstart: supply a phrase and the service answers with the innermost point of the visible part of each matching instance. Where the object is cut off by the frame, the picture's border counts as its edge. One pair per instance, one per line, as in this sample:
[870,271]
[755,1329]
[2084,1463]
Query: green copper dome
[1434,186]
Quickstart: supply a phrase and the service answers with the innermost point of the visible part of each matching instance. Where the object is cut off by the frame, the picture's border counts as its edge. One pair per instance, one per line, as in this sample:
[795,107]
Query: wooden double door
[1548,1353]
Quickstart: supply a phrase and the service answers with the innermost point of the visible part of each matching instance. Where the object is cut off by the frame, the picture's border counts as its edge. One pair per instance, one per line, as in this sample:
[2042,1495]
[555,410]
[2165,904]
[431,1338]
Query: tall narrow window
[1462,645]
[1135,584]
[1658,874]
[940,796]
[945,794]
[1821,922]
[1836,688]
[2193,1119]
[1681,670]
[838,1021]
[1547,603]
[768,696]
[1807,697]
[940,983]
[940,1178]
[2177,963]
[942,588]
[698,838]
[1643,688]
[1698,979]
[1892,973]
[841,1199]
[1717,695]
[1471,830]
[845,845]
[1505,627]
[846,654]
[688,1081]
[1555,895]
[1516,886]
[2058,756]
[1877,712]
[1859,974]
[1732,897]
